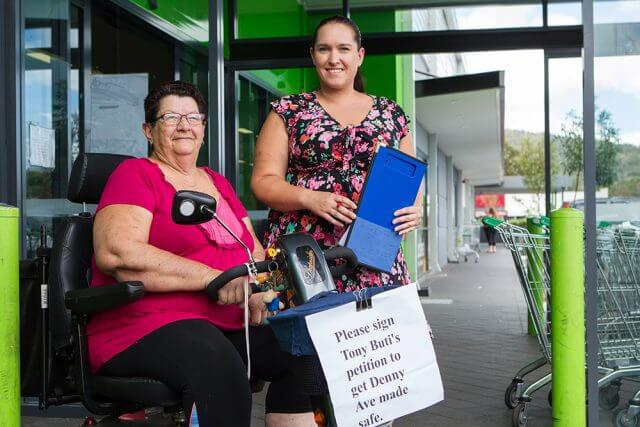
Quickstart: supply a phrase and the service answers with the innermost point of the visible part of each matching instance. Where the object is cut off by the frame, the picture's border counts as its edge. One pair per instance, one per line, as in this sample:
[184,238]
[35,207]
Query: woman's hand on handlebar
[233,292]
[336,209]
[257,309]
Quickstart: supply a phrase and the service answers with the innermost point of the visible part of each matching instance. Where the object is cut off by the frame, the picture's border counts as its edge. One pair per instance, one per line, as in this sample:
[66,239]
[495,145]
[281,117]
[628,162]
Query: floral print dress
[324,156]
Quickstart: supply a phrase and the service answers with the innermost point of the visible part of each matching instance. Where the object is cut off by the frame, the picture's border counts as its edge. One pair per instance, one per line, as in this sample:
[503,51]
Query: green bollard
[567,318]
[535,274]
[9,318]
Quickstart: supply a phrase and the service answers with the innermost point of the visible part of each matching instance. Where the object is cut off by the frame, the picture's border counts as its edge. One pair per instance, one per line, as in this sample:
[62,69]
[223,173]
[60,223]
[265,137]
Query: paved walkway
[478,316]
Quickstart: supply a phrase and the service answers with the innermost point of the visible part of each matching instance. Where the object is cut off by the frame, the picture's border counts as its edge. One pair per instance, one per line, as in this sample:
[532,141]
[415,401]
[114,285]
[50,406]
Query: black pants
[208,367]
[491,235]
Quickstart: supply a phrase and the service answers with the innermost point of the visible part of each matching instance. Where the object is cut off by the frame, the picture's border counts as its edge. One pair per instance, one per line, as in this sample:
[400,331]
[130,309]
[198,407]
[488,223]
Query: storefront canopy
[466,115]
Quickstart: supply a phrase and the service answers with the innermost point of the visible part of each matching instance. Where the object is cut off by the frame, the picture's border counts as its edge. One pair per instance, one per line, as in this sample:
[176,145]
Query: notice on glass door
[117,114]
[42,147]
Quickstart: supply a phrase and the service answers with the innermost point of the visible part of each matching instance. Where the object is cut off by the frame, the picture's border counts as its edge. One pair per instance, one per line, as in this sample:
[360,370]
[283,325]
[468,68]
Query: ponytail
[358,82]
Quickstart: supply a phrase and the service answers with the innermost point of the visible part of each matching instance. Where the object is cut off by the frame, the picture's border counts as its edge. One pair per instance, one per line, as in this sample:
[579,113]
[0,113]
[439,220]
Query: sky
[617,85]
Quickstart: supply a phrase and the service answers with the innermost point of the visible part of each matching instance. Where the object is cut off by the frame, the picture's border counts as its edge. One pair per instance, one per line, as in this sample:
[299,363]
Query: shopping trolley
[468,242]
[530,253]
[618,255]
[618,261]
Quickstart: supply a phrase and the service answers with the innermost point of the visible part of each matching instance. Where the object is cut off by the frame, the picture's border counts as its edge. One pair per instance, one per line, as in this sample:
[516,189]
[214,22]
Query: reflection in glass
[46,115]
[253,108]
[76,112]
[617,136]
[479,17]
[565,101]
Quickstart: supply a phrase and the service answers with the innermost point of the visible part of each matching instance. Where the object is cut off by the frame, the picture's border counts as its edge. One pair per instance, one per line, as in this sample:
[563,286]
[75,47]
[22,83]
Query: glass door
[51,112]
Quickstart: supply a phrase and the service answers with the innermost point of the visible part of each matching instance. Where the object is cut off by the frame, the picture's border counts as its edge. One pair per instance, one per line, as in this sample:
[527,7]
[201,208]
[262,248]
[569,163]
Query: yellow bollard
[9,318]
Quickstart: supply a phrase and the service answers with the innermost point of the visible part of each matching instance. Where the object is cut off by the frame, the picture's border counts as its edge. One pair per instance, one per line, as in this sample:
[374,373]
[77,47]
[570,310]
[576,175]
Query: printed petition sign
[379,363]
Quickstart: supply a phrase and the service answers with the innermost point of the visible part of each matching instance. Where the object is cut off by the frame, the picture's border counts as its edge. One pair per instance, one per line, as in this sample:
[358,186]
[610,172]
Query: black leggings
[208,366]
[491,235]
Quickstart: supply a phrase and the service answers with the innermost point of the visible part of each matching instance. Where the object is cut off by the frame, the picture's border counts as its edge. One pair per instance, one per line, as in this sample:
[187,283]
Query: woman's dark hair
[358,83]
[178,88]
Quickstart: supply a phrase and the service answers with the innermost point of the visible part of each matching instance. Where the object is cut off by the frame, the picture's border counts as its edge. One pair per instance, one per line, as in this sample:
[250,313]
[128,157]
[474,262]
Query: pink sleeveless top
[140,182]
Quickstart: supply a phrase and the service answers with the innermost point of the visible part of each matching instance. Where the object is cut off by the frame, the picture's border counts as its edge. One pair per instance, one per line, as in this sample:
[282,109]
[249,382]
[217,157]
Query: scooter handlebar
[340,252]
[331,254]
[233,273]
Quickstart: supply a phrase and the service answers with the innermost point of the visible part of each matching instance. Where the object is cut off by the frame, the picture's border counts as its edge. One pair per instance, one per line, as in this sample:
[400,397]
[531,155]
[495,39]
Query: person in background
[315,148]
[491,233]
[174,333]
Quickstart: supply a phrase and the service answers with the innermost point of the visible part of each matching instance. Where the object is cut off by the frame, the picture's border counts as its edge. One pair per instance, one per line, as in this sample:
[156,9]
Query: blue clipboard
[392,183]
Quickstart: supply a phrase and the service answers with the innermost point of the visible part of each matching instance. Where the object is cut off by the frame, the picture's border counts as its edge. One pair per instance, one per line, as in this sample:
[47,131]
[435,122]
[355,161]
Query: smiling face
[175,140]
[336,55]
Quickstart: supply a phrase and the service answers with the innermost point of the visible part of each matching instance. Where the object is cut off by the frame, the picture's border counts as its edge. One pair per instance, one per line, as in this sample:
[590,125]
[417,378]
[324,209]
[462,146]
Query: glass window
[616,11]
[127,57]
[565,13]
[476,17]
[76,78]
[617,54]
[47,120]
[126,62]
[253,108]
[617,210]
[565,123]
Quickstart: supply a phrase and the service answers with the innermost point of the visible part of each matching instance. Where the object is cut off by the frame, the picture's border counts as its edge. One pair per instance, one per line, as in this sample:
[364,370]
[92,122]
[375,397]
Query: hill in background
[627,183]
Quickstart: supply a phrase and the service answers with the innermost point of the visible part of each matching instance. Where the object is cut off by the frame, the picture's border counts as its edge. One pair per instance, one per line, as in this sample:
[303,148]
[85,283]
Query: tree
[571,145]
[531,164]
[628,187]
[527,160]
[606,150]
[511,160]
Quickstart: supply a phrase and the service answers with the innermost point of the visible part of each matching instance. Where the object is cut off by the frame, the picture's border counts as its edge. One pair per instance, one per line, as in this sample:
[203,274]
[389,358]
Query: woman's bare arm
[258,250]
[406,145]
[269,185]
[270,165]
[120,238]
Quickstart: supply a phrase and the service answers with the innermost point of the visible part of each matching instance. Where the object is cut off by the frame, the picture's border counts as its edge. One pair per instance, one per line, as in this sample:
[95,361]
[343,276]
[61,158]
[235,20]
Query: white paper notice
[379,363]
[117,114]
[42,146]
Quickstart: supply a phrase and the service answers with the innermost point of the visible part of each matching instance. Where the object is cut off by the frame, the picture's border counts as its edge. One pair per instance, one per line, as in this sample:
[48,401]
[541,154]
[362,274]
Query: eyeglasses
[172,119]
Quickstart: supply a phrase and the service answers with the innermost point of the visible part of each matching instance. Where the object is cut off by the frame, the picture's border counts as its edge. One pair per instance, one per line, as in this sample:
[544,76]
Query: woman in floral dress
[314,151]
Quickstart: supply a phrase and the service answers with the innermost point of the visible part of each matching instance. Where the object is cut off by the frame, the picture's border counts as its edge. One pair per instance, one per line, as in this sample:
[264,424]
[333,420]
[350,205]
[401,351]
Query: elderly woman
[174,333]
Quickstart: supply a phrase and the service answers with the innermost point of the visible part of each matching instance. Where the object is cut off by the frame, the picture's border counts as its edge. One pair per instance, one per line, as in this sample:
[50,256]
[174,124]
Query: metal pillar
[547,140]
[459,215]
[432,187]
[345,9]
[451,212]
[591,294]
[216,87]
[10,76]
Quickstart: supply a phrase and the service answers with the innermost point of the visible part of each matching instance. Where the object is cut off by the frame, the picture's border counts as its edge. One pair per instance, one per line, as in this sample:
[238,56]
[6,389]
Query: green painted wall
[190,16]
[270,18]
